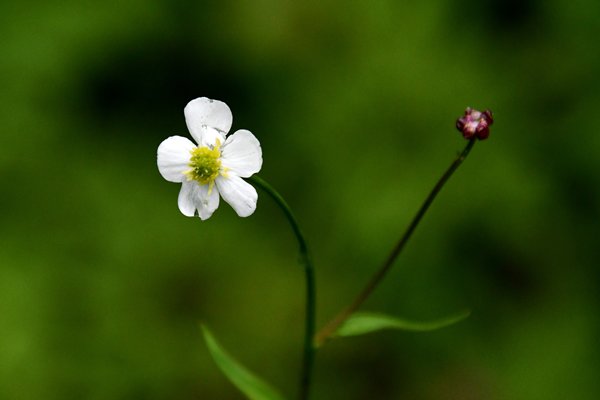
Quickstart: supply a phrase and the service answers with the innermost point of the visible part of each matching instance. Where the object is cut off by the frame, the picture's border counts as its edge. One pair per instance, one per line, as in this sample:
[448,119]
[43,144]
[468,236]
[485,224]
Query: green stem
[306,261]
[343,315]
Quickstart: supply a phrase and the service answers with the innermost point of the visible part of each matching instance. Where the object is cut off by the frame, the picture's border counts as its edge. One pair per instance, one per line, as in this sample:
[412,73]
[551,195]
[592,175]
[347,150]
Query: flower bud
[475,124]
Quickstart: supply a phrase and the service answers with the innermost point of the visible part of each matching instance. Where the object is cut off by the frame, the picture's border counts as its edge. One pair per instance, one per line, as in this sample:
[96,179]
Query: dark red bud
[475,124]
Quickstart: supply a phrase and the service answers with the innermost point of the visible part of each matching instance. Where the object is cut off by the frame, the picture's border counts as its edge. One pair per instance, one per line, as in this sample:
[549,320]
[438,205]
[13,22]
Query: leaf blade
[364,322]
[247,382]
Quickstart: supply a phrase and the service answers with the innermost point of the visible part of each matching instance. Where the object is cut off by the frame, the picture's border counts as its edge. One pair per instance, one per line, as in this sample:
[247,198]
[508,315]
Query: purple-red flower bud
[475,124]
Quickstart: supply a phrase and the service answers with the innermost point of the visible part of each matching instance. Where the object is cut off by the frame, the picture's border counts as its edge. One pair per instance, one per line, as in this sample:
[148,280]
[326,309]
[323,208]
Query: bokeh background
[103,282]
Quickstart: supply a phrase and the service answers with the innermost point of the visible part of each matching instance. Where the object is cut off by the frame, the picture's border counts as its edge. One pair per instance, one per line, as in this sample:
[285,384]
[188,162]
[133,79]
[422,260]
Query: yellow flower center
[206,164]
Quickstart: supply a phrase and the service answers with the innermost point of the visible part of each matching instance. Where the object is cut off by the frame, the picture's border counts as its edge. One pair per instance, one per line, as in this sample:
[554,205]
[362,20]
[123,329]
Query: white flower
[216,166]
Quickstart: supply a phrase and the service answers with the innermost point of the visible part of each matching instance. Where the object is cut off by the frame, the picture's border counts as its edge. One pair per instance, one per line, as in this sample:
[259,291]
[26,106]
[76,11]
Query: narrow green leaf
[363,322]
[251,385]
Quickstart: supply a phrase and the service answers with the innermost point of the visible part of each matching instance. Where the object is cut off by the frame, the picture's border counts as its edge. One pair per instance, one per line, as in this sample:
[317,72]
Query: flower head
[475,124]
[215,166]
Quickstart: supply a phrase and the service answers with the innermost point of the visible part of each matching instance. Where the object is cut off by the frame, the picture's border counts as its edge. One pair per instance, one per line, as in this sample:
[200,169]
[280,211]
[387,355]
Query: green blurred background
[103,282]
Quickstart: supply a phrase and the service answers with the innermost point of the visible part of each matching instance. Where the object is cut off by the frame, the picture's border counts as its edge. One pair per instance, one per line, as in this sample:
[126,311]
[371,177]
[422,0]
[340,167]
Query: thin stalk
[309,271]
[331,327]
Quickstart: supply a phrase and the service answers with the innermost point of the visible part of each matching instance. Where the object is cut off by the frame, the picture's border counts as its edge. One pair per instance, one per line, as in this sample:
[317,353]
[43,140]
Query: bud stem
[338,320]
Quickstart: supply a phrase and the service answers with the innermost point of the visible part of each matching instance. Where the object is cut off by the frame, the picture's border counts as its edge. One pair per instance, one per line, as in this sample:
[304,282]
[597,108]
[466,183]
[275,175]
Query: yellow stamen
[205,164]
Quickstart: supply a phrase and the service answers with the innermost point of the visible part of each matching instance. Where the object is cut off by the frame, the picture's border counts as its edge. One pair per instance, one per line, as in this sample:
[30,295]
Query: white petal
[242,154]
[202,114]
[210,136]
[173,158]
[240,195]
[194,196]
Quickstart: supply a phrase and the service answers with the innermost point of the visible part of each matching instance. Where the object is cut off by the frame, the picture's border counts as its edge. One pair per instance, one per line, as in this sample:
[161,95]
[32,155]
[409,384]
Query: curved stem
[338,320]
[306,261]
